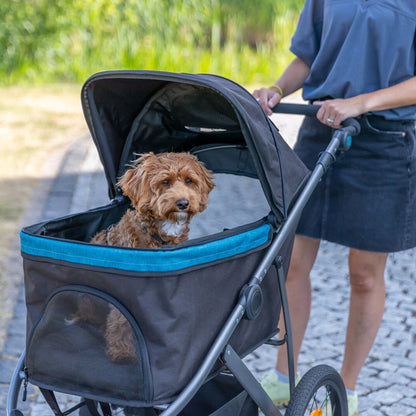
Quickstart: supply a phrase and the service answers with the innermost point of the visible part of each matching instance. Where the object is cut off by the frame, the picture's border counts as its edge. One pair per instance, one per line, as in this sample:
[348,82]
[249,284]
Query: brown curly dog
[166,191]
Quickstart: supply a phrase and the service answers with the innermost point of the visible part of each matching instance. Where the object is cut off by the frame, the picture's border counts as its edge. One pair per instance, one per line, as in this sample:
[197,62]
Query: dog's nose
[182,204]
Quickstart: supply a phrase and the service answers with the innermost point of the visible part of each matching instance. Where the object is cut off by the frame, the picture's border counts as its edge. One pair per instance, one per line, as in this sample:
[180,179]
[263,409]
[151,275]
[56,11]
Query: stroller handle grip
[300,109]
[351,126]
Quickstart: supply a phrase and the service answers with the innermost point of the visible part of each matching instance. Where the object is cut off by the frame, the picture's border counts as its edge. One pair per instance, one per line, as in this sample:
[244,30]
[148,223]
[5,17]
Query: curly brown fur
[119,338]
[166,191]
[91,311]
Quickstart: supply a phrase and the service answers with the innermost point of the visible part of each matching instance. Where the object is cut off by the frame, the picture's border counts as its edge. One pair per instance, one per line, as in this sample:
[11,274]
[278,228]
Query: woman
[353,58]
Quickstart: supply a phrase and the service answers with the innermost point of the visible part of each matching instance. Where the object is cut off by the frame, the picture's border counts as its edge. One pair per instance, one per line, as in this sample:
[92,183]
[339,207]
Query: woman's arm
[292,79]
[399,95]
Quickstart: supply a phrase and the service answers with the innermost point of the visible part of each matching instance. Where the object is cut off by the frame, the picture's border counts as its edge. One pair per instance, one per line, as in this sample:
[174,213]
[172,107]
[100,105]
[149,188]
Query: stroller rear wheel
[320,392]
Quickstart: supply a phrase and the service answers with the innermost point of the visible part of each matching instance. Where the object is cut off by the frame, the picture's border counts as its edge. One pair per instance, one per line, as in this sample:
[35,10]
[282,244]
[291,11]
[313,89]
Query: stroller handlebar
[351,126]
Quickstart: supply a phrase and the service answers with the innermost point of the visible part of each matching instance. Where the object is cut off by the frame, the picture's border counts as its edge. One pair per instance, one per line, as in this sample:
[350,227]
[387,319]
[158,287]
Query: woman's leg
[367,300]
[298,287]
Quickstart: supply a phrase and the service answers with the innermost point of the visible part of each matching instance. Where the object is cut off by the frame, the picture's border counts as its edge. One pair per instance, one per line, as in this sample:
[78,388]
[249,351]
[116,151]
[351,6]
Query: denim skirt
[367,199]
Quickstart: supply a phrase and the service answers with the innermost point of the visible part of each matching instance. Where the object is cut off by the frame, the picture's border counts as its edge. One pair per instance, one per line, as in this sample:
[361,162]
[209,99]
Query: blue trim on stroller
[144,260]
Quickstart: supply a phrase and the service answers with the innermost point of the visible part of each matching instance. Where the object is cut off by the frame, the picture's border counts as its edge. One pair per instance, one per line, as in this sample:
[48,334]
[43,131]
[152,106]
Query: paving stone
[3,396]
[7,367]
[407,372]
[386,396]
[371,412]
[383,365]
[410,402]
[402,410]
[14,345]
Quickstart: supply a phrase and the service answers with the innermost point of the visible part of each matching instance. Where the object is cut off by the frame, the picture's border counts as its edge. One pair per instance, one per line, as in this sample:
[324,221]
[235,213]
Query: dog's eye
[166,182]
[188,181]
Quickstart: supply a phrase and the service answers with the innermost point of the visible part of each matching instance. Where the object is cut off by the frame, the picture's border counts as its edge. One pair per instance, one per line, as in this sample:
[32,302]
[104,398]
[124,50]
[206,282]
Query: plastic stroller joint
[252,297]
[326,159]
[344,138]
[341,141]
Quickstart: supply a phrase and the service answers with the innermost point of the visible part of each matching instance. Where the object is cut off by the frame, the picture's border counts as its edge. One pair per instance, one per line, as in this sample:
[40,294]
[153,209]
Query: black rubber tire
[320,378]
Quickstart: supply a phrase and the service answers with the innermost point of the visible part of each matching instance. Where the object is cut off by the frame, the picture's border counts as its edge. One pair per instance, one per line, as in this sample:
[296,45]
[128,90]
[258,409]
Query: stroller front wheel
[321,391]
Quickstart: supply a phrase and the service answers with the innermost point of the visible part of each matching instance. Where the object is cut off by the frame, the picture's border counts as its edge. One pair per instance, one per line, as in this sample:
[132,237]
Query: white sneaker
[278,391]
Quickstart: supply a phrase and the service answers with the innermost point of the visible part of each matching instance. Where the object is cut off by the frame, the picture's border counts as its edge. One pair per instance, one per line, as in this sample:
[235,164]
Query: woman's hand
[292,79]
[267,98]
[334,112]
[399,95]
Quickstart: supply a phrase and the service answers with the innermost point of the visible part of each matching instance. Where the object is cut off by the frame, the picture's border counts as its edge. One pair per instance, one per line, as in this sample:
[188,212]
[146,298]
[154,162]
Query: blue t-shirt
[357,46]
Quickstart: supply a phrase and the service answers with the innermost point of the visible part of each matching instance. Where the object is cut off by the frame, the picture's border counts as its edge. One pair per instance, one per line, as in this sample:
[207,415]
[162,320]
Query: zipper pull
[25,382]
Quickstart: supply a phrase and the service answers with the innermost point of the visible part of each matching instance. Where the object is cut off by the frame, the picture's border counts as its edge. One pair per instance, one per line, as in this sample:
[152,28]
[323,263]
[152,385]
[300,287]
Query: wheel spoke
[320,392]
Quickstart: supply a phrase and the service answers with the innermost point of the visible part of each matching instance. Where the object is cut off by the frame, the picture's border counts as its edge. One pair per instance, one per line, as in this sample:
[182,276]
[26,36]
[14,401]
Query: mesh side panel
[84,343]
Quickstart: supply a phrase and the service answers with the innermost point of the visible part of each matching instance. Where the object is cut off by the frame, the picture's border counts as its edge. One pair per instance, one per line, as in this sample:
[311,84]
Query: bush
[53,40]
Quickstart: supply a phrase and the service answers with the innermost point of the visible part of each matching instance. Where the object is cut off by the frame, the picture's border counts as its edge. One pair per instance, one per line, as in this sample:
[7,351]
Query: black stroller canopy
[132,112]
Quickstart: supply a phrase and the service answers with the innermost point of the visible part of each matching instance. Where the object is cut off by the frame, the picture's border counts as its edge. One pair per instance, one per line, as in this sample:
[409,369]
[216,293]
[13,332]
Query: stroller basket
[175,299]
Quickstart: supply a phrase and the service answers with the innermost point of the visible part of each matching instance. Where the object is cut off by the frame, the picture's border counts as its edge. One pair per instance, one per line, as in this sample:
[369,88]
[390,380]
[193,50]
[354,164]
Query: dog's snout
[182,204]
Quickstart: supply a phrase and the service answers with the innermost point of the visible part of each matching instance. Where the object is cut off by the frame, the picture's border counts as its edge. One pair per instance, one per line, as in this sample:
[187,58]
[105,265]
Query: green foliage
[53,40]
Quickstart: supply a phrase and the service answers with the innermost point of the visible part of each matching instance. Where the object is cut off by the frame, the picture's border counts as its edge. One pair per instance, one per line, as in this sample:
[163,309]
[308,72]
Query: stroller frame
[248,307]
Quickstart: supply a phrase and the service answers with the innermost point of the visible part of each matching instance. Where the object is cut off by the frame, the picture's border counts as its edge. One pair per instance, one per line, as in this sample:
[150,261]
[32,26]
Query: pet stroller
[194,310]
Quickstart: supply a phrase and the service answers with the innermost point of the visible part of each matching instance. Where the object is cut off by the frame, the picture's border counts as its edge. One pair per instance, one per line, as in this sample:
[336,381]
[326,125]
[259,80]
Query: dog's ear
[134,181]
[207,184]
